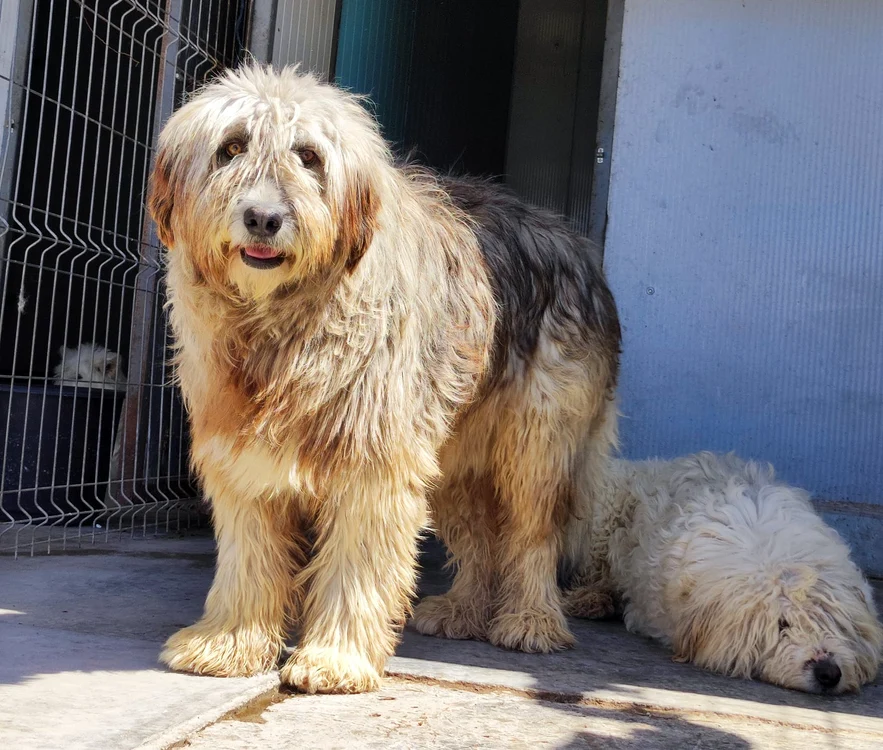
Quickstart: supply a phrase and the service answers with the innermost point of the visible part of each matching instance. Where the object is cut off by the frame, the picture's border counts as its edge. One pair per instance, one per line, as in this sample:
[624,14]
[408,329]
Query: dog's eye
[308,157]
[234,148]
[783,625]
[229,151]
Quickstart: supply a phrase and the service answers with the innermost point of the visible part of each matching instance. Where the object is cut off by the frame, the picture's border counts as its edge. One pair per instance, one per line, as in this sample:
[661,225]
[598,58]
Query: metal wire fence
[93,432]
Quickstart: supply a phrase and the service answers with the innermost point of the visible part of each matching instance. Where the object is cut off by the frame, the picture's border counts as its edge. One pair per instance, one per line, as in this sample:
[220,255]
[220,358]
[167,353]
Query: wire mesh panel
[93,432]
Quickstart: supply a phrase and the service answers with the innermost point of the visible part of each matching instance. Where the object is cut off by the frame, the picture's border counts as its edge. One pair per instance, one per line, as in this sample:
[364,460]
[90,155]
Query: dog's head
[828,638]
[787,606]
[90,364]
[264,179]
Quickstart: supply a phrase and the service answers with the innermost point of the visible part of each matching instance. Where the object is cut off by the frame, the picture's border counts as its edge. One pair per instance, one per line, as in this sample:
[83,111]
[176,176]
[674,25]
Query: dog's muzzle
[262,224]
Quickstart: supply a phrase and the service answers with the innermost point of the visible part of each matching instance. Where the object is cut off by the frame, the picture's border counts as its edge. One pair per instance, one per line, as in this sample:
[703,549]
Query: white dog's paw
[238,653]
[589,603]
[326,670]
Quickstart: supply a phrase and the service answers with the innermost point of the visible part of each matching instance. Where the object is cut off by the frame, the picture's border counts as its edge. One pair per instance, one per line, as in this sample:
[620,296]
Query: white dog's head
[265,178]
[91,365]
[778,599]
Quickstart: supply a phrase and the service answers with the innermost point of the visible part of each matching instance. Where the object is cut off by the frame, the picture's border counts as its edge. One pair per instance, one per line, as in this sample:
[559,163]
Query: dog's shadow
[647,729]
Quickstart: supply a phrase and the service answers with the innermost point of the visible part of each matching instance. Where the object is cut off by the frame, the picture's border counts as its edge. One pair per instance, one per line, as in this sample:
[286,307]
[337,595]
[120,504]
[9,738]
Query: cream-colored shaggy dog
[734,571]
[356,342]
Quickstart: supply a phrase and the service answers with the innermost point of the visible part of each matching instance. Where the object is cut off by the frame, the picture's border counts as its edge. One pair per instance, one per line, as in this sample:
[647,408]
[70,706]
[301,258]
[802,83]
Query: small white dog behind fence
[733,570]
[94,366]
[90,366]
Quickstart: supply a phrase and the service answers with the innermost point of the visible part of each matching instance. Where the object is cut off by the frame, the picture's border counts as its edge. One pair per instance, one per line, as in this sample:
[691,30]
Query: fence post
[136,417]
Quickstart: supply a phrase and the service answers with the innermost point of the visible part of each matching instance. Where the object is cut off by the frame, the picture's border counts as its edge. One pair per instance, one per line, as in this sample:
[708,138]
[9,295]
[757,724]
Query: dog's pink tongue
[261,251]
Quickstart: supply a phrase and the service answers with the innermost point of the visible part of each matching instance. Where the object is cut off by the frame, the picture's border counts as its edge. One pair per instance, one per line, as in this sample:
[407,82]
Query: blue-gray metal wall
[745,241]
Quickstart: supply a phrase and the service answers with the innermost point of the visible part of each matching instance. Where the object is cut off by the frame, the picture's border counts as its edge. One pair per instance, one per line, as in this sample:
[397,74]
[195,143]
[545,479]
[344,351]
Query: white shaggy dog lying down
[731,569]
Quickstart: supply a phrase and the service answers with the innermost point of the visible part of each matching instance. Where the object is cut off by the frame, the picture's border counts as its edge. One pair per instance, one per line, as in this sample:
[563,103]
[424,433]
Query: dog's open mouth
[262,256]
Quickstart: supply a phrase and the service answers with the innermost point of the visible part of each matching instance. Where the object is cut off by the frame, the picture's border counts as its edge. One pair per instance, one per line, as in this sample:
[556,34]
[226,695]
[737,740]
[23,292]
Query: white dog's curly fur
[734,571]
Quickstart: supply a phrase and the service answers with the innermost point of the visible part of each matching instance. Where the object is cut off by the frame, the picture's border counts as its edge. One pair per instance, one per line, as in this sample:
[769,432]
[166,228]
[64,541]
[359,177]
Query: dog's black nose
[827,673]
[262,223]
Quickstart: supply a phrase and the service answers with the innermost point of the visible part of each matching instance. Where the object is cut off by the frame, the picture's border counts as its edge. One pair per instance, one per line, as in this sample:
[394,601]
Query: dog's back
[663,504]
[705,516]
[543,276]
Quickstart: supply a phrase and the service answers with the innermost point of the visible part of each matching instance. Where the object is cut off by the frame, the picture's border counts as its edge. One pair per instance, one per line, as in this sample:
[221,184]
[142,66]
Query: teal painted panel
[439,75]
[374,50]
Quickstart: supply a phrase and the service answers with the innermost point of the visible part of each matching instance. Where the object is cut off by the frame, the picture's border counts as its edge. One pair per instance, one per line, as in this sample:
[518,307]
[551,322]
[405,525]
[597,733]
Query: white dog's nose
[827,673]
[262,223]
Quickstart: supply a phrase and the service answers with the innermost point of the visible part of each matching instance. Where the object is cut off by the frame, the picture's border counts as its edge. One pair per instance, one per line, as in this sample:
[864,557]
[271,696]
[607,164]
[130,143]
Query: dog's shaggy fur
[356,341]
[734,571]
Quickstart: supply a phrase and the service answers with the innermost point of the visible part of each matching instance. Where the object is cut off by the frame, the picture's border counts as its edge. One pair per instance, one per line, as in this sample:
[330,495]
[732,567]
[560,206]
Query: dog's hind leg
[465,517]
[590,592]
[243,628]
[533,472]
[359,584]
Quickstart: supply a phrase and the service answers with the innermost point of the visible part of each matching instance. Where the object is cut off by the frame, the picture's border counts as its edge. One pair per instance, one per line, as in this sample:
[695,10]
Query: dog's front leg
[243,628]
[359,585]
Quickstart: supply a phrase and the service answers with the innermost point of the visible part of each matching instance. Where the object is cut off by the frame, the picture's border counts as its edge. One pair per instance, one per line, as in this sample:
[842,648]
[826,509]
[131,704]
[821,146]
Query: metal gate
[93,430]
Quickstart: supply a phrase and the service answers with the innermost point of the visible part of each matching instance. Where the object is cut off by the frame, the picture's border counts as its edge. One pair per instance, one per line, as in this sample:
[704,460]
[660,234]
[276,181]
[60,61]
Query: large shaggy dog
[733,570]
[354,337]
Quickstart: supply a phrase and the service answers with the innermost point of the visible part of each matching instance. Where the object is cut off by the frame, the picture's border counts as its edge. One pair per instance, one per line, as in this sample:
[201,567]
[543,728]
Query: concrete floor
[80,631]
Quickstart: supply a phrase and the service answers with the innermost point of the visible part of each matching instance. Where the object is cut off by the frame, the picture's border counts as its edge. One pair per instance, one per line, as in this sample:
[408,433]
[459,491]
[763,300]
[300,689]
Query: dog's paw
[589,603]
[531,632]
[326,670]
[237,653]
[446,617]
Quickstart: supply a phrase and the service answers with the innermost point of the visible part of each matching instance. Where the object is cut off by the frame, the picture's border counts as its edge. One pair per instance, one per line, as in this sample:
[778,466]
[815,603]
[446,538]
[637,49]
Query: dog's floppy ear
[358,219]
[161,196]
[796,580]
[111,361]
[860,594]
